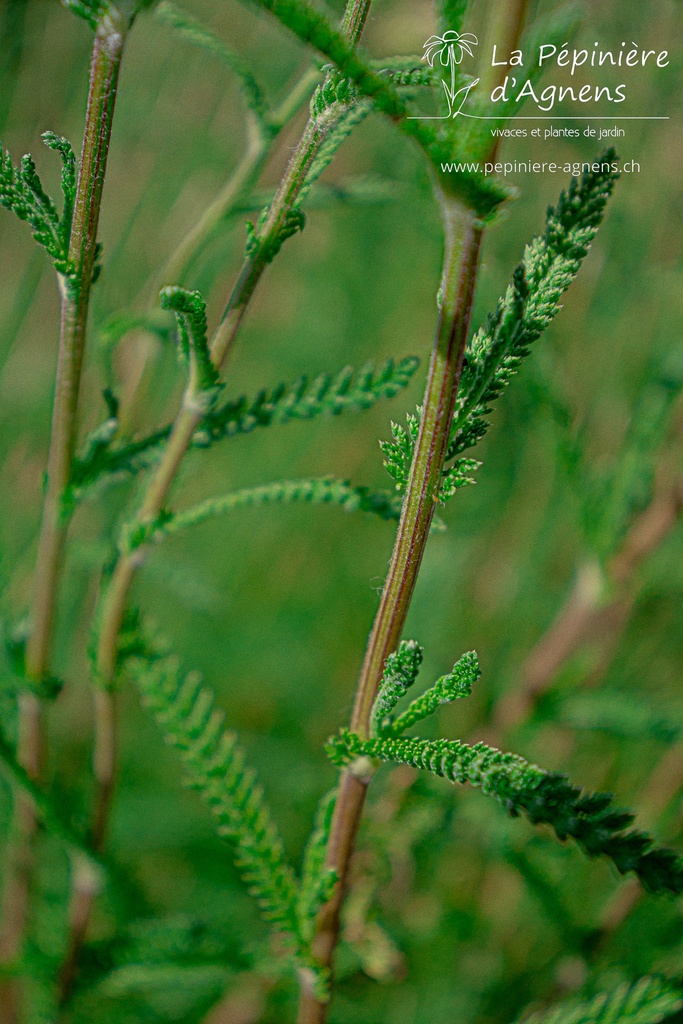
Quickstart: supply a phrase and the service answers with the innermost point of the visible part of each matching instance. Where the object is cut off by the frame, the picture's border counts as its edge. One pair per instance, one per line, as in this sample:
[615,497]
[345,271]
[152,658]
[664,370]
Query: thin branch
[463,239]
[585,616]
[186,423]
[463,244]
[105,63]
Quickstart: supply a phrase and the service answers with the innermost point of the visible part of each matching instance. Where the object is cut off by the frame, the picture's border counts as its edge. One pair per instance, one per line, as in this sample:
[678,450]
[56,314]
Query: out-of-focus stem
[184,427]
[104,73]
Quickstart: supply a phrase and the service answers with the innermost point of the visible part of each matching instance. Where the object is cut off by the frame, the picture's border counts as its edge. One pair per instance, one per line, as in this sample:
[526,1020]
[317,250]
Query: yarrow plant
[431,456]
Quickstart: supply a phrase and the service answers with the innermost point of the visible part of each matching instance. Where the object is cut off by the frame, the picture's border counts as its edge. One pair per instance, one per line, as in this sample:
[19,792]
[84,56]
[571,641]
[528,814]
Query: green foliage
[91,11]
[458,683]
[322,491]
[22,192]
[347,119]
[523,788]
[46,807]
[102,461]
[649,1001]
[480,193]
[215,766]
[398,454]
[455,476]
[407,72]
[186,713]
[317,881]
[263,246]
[436,870]
[400,673]
[551,262]
[193,344]
[13,638]
[496,352]
[519,786]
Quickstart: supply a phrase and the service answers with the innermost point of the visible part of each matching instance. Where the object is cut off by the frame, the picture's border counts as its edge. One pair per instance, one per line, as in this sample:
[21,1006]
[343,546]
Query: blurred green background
[456,913]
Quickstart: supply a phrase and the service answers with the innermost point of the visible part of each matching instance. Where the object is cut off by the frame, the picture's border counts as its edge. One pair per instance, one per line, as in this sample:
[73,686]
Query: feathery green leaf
[550,264]
[458,683]
[523,788]
[186,713]
[398,454]
[303,400]
[22,192]
[190,313]
[400,673]
[495,353]
[648,1001]
[320,491]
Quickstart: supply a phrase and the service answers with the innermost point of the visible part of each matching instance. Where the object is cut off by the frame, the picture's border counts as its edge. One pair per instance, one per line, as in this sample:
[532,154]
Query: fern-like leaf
[320,491]
[398,454]
[497,350]
[649,1001]
[346,120]
[303,400]
[215,765]
[400,673]
[190,313]
[458,683]
[456,476]
[524,788]
[62,146]
[317,881]
[550,264]
[264,245]
[22,192]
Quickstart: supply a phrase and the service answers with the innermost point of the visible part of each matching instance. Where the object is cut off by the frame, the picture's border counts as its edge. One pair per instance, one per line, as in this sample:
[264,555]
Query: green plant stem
[238,185]
[224,337]
[462,247]
[104,71]
[463,238]
[236,190]
[186,423]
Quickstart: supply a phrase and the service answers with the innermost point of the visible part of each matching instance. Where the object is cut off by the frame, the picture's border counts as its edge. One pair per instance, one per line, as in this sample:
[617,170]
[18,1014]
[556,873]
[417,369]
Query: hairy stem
[188,419]
[463,238]
[104,72]
[223,340]
[243,178]
[462,248]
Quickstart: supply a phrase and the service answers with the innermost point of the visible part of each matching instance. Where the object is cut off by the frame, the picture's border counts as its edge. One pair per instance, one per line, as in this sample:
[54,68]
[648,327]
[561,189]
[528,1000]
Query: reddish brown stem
[463,244]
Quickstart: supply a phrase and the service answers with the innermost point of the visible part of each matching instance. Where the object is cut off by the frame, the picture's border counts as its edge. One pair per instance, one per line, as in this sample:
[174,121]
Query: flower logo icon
[449,50]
